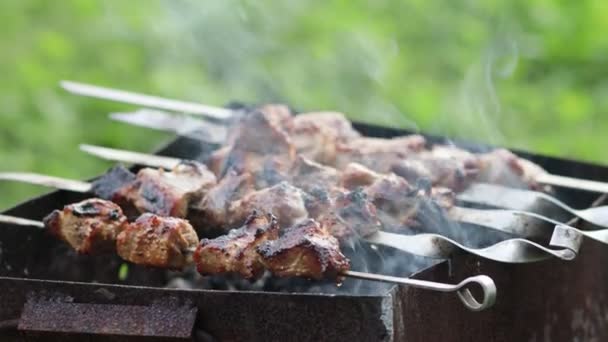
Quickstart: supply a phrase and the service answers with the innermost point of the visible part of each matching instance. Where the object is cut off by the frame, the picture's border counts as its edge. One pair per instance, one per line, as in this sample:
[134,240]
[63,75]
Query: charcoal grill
[47,292]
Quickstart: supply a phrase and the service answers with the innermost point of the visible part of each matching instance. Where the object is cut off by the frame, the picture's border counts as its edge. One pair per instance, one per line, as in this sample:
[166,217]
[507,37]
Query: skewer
[516,222]
[517,199]
[464,294]
[224,114]
[565,240]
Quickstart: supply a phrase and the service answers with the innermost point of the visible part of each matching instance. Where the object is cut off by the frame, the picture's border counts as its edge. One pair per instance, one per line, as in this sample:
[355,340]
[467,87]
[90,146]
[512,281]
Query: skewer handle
[146,100]
[486,283]
[20,221]
[573,183]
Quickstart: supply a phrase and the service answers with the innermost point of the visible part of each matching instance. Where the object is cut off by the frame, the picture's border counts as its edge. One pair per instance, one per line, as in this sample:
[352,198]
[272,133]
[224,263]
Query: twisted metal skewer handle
[486,283]
[565,241]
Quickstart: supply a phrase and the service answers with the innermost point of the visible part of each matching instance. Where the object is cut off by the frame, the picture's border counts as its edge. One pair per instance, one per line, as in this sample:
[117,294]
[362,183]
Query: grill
[48,292]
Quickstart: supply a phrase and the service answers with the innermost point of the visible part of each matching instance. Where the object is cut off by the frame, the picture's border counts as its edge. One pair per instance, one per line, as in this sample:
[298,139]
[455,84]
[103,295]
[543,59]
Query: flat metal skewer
[486,283]
[224,114]
[426,245]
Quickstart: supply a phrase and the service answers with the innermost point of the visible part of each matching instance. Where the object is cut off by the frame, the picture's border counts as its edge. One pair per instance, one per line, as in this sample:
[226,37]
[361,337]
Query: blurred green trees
[525,74]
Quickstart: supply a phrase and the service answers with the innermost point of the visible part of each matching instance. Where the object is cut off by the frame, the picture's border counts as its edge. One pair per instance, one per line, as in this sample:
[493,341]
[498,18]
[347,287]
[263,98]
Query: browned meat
[345,214]
[316,135]
[235,252]
[503,167]
[444,166]
[212,210]
[164,242]
[356,175]
[310,176]
[283,200]
[376,153]
[90,226]
[166,193]
[261,147]
[304,250]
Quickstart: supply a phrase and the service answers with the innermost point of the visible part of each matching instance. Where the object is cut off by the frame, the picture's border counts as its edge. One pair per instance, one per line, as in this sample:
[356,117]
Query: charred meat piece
[156,241]
[309,175]
[304,250]
[376,153]
[261,147]
[166,193]
[316,135]
[235,252]
[212,210]
[90,226]
[503,167]
[345,214]
[444,166]
[112,181]
[356,175]
[283,200]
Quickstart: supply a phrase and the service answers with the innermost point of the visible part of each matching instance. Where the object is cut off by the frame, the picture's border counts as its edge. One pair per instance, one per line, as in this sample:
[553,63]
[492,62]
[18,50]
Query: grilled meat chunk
[316,135]
[304,250]
[112,181]
[261,147]
[285,201]
[444,166]
[503,167]
[166,193]
[345,214]
[310,176]
[235,252]
[90,226]
[212,210]
[156,241]
[376,153]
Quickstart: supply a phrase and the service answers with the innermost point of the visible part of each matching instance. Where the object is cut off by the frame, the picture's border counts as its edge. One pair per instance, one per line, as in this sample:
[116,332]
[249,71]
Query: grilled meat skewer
[486,283]
[96,226]
[428,245]
[225,114]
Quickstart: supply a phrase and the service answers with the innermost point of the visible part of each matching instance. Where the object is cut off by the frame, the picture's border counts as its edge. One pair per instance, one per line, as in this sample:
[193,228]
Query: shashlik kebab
[224,114]
[481,194]
[223,203]
[330,139]
[304,250]
[95,226]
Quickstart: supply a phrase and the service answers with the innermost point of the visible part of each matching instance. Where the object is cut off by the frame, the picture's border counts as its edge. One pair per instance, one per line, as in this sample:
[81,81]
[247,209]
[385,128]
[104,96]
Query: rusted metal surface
[162,318]
[231,315]
[547,301]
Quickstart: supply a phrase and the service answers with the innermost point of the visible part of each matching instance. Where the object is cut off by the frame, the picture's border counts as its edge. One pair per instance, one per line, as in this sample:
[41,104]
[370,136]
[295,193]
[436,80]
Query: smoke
[476,103]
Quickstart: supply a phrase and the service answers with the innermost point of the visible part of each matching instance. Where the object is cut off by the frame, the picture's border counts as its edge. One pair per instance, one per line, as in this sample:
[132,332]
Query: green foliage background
[522,73]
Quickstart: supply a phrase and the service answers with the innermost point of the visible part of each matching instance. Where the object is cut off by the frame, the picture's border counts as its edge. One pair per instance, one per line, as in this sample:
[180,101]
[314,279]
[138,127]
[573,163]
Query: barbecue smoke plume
[476,103]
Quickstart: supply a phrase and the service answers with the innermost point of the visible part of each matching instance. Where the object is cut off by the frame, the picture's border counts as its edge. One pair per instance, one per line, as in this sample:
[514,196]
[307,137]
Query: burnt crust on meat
[283,200]
[155,241]
[112,181]
[235,252]
[305,250]
[89,227]
[166,193]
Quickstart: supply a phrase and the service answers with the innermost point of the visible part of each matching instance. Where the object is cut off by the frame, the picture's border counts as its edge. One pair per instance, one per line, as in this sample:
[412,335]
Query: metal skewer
[486,283]
[518,199]
[426,245]
[224,114]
